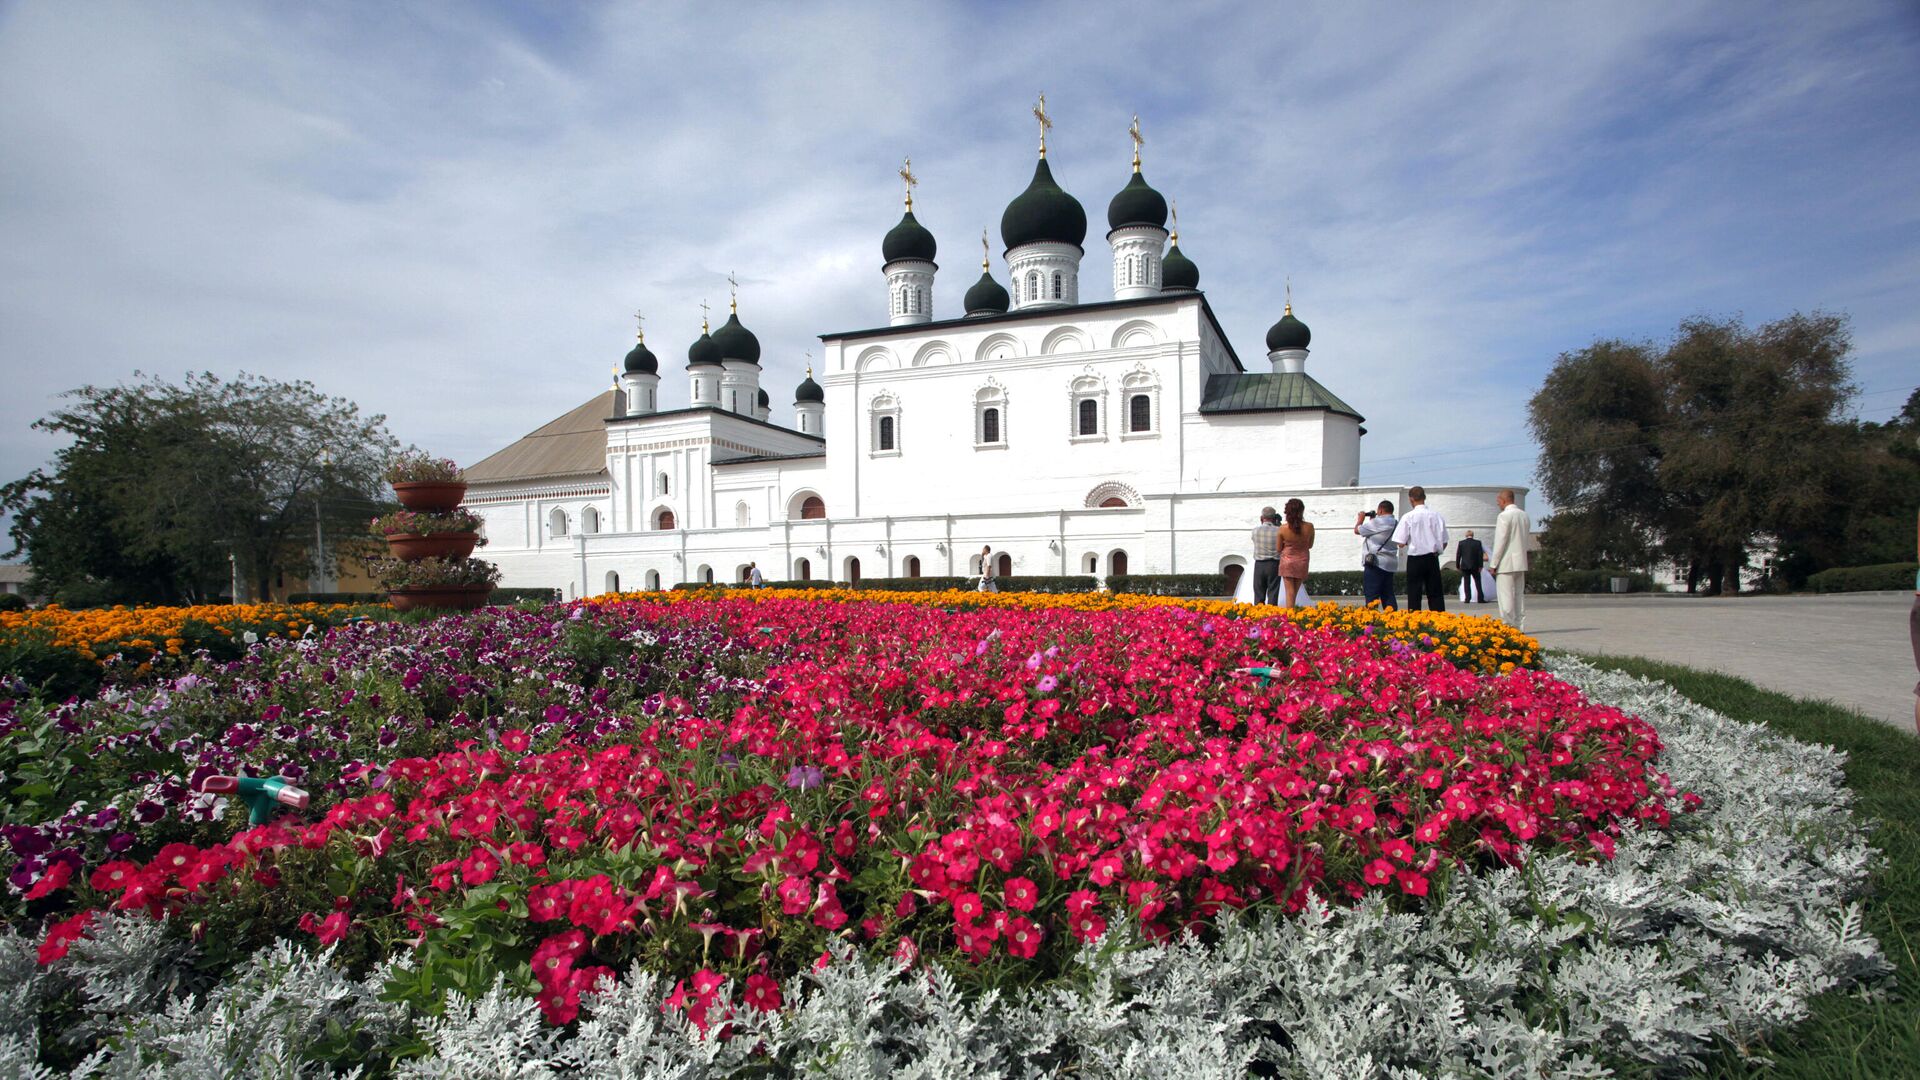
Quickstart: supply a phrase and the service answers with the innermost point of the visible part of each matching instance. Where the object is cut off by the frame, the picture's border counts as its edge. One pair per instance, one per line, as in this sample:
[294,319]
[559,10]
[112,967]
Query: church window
[990,426]
[613,581]
[557,523]
[883,431]
[1140,413]
[903,300]
[706,574]
[886,433]
[1089,417]
[742,516]
[1087,408]
[990,416]
[663,520]
[1140,389]
[913,566]
[653,581]
[589,520]
[660,484]
[813,509]
[1033,285]
[1056,284]
[1114,502]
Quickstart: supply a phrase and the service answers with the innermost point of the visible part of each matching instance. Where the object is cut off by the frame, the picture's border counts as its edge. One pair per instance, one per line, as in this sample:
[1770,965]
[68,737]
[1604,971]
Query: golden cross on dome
[809,363]
[703,316]
[906,174]
[640,325]
[733,288]
[1173,206]
[1289,310]
[1040,114]
[1138,141]
[985,250]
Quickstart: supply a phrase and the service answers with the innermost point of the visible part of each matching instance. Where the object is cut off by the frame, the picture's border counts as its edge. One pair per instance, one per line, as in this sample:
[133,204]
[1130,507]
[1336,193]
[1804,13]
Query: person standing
[987,583]
[1512,536]
[1379,556]
[1266,557]
[1296,540]
[1471,558]
[754,580]
[1422,535]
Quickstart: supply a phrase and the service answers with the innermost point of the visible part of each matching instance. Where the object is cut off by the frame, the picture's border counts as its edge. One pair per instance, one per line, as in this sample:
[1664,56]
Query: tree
[1698,451]
[162,485]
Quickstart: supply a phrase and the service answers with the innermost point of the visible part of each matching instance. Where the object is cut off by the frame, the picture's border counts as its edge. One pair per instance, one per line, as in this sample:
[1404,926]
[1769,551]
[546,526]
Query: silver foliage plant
[1712,932]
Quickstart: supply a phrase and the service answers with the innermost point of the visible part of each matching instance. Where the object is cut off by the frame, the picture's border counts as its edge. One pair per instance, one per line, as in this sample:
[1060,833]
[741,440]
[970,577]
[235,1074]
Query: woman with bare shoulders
[1296,539]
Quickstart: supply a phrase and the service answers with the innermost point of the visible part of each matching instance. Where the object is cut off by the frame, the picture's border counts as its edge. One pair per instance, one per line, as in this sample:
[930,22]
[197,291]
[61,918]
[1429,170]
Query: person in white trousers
[1512,536]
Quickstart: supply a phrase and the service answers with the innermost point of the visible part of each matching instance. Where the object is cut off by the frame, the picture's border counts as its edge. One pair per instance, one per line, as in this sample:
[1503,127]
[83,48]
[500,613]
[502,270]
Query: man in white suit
[1512,536]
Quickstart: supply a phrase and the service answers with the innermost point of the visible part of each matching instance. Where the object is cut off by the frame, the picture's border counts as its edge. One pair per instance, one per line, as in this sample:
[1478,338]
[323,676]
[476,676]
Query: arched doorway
[913,566]
[802,570]
[613,581]
[663,520]
[1117,564]
[706,575]
[1003,565]
[853,570]
[1231,573]
[813,508]
[653,581]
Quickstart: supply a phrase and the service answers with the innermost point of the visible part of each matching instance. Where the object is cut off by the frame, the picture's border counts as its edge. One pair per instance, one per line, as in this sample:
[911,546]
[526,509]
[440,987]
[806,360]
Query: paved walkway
[1850,649]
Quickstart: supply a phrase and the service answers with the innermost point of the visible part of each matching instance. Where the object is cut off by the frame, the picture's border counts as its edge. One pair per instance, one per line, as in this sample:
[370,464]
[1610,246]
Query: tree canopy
[163,483]
[1725,438]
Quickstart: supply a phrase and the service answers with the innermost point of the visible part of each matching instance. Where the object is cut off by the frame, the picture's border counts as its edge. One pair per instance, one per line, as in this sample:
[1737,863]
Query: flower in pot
[426,484]
[412,535]
[436,582]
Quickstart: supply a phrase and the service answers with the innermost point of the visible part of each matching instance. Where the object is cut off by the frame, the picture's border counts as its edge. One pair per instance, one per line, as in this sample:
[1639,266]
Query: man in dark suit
[1471,558]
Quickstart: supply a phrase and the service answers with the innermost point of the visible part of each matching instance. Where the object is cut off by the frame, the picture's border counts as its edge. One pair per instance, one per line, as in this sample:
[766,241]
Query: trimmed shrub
[920,584]
[1212,585]
[13,602]
[1046,583]
[1884,577]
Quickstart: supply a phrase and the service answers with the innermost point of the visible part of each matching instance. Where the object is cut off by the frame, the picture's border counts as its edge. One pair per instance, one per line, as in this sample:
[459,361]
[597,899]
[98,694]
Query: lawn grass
[1845,1036]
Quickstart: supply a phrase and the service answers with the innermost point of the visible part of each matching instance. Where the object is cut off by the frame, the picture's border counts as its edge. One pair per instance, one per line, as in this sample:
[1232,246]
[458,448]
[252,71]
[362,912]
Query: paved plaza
[1850,649]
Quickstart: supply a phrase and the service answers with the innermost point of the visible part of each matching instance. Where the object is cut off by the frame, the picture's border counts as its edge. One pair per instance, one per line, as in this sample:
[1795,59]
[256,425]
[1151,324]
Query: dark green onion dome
[1043,212]
[1137,204]
[908,240]
[809,391]
[1288,333]
[763,400]
[1177,272]
[986,297]
[736,342]
[641,361]
[703,352]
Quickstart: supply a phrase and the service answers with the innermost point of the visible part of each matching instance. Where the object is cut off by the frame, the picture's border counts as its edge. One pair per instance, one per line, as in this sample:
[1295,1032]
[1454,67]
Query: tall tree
[1725,438]
[163,484]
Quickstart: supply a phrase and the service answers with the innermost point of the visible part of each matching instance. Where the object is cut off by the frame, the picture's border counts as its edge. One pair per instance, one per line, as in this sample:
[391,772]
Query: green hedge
[337,598]
[1588,581]
[1213,585]
[917,584]
[1884,577]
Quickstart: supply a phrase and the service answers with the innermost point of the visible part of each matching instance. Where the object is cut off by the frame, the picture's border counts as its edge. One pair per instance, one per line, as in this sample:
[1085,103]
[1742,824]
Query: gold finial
[1040,114]
[1173,206]
[733,289]
[640,325]
[986,250]
[809,363]
[906,174]
[1289,310]
[1134,131]
[703,317]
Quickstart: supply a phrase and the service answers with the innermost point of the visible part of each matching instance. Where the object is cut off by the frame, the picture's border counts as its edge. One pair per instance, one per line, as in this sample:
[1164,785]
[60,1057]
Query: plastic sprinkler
[262,794]
[1264,674]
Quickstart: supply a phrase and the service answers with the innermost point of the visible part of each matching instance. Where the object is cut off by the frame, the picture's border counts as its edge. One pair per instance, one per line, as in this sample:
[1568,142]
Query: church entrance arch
[1116,564]
[913,566]
[653,581]
[613,581]
[806,506]
[852,566]
[802,570]
[1231,568]
[704,575]
[1003,565]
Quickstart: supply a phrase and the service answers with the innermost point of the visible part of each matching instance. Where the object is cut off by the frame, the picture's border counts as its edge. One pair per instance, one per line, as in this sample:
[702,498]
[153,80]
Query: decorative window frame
[1140,380]
[1113,489]
[1087,386]
[884,405]
[991,395]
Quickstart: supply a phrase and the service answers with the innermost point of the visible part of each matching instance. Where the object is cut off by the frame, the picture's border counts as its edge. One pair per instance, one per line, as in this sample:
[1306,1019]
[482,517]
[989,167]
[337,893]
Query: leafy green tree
[163,484]
[1724,439]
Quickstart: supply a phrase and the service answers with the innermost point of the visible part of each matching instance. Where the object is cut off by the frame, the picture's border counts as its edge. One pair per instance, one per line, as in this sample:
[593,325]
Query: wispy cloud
[448,214]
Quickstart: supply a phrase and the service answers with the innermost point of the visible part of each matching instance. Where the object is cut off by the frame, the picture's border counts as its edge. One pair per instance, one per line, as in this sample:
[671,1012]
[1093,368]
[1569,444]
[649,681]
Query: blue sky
[448,212]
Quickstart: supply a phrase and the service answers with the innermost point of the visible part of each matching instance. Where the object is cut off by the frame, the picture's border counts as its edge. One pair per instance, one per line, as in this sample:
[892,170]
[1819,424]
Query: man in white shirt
[1512,536]
[754,579]
[1422,536]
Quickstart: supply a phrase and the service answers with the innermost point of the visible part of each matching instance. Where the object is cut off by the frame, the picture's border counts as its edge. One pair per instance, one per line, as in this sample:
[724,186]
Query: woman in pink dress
[1296,539]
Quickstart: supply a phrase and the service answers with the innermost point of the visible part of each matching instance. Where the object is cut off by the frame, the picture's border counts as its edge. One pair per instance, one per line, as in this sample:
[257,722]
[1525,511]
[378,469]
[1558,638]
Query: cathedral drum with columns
[1075,437]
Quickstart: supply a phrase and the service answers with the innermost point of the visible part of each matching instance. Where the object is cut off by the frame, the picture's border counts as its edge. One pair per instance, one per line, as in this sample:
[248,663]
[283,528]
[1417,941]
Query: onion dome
[1288,333]
[703,352]
[641,361]
[987,297]
[1177,272]
[1137,204]
[1043,212]
[763,400]
[908,240]
[736,342]
[809,391]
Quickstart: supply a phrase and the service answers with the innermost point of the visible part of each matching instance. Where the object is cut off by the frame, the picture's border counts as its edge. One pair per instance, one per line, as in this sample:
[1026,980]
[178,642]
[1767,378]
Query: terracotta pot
[430,496]
[410,546]
[447,597]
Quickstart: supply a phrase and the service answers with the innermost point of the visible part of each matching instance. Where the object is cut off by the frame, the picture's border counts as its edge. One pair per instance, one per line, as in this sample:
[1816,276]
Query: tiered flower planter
[434,497]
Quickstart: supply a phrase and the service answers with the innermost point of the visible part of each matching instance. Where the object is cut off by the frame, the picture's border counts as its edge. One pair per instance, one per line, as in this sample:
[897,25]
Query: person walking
[1512,537]
[987,582]
[1471,558]
[1296,540]
[754,580]
[1422,535]
[1379,556]
[1266,557]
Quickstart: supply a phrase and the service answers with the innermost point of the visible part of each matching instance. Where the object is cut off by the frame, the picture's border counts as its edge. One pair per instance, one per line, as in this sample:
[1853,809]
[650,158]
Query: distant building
[14,578]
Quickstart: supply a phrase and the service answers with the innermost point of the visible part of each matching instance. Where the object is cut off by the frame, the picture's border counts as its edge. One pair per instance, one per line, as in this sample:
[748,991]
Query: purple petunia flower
[805,777]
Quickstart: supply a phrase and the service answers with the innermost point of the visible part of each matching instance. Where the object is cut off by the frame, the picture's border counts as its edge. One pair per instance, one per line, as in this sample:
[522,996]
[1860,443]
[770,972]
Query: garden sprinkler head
[260,793]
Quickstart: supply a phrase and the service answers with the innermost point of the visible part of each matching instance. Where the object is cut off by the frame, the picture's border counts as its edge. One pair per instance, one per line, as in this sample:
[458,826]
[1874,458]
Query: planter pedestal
[411,546]
[430,496]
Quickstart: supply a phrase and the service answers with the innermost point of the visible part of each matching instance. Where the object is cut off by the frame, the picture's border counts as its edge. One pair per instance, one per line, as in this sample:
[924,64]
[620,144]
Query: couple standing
[1280,547]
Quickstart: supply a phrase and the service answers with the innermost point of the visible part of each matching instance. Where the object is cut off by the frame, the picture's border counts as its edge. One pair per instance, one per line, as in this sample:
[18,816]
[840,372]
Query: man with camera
[1379,555]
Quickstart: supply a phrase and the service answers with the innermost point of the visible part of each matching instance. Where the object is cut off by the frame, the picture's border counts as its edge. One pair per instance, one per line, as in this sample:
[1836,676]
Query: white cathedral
[1093,437]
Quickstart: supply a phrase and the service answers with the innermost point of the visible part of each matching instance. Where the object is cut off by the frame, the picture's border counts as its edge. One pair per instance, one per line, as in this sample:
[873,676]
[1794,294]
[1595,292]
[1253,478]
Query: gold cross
[985,250]
[906,174]
[1138,141]
[1174,206]
[1289,310]
[703,316]
[640,325]
[733,287]
[1040,114]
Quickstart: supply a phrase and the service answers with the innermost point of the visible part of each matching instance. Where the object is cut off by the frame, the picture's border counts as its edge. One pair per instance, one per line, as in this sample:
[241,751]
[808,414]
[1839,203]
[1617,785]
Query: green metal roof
[1269,391]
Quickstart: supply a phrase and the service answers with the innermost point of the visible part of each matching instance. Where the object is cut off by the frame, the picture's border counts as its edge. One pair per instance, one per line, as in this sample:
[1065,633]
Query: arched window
[1091,563]
[589,520]
[1033,285]
[1056,284]
[883,431]
[664,519]
[1116,563]
[813,508]
[660,482]
[653,581]
[1003,566]
[1089,417]
[990,426]
[886,433]
[742,516]
[557,523]
[706,574]
[802,570]
[1113,502]
[913,566]
[1139,413]
[613,581]
[903,300]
